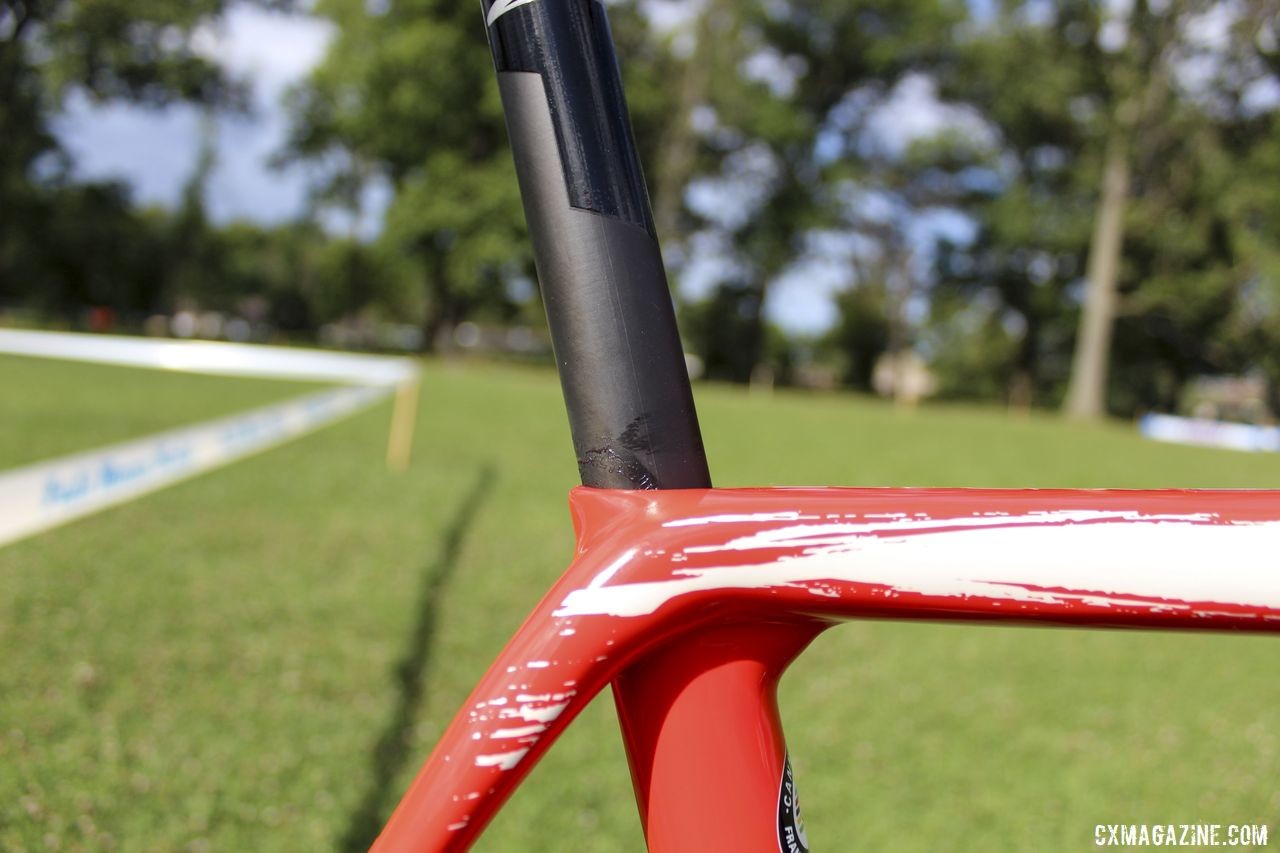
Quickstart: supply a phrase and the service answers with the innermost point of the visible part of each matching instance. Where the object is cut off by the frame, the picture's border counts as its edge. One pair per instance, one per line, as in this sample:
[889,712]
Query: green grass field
[259,659]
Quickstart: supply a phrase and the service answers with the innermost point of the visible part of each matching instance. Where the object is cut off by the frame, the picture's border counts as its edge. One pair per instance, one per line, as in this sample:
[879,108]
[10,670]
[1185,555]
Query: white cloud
[271,48]
[670,16]
[914,112]
[802,300]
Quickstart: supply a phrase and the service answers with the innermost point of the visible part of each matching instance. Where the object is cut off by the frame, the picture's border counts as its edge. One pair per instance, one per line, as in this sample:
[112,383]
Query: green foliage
[862,332]
[766,140]
[92,249]
[406,92]
[1190,255]
[135,50]
[63,246]
[725,332]
[973,352]
[305,277]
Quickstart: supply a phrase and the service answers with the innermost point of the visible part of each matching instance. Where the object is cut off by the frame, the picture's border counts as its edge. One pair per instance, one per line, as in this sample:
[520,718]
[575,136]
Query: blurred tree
[973,351]
[1035,81]
[301,278]
[270,274]
[1110,160]
[1135,64]
[862,333]
[193,260]
[775,141]
[1251,142]
[717,328]
[884,199]
[1182,274]
[92,249]
[53,50]
[367,112]
[699,55]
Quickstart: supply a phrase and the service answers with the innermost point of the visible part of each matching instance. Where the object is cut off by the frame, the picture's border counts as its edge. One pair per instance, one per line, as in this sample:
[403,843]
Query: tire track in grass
[391,750]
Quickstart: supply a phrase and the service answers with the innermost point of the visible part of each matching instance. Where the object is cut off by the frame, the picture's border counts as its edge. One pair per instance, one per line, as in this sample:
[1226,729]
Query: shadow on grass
[392,748]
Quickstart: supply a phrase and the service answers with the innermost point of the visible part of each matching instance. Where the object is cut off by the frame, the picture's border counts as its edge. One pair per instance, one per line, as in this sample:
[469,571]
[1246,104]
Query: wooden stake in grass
[404,413]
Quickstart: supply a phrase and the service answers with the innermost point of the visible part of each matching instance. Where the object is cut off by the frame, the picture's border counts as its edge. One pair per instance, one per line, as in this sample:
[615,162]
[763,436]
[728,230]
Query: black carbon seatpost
[613,327]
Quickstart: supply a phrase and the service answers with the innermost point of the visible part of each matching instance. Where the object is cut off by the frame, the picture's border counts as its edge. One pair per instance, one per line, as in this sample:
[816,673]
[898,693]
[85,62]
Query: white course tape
[1210,433]
[211,357]
[38,497]
[45,495]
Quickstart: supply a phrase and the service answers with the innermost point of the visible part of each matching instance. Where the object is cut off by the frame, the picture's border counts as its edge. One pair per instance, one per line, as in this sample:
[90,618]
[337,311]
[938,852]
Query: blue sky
[155,151]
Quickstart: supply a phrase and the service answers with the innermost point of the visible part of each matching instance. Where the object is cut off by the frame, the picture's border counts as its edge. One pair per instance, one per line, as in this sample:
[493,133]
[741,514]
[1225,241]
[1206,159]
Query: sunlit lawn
[258,659]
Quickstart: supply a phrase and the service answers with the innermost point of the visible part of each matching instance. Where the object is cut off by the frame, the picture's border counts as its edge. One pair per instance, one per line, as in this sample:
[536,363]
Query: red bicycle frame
[692,601]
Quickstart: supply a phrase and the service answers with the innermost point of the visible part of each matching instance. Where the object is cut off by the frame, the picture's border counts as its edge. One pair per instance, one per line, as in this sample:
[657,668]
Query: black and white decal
[502,7]
[791,835]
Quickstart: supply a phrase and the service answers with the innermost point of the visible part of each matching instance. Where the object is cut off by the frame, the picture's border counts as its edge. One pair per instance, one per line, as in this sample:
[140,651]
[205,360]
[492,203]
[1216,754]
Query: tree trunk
[753,337]
[439,316]
[1086,392]
[900,284]
[676,164]
[1026,371]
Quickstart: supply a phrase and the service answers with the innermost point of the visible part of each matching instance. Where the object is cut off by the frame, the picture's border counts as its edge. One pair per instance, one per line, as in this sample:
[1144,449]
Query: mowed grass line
[232,663]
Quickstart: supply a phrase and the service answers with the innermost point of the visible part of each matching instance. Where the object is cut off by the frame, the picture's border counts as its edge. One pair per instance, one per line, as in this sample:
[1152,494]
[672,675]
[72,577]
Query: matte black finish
[568,42]
[608,305]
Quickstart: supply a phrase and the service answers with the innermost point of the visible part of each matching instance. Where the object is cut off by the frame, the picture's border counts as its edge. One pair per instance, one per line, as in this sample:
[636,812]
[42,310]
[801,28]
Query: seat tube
[700,720]
[600,269]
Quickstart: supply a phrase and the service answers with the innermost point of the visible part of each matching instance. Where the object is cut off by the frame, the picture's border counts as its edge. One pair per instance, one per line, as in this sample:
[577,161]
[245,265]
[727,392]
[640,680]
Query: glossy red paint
[693,603]
[704,740]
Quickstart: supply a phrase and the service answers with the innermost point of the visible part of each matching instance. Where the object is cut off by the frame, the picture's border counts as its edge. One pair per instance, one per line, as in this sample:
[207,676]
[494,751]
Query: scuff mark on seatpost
[621,457]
